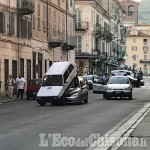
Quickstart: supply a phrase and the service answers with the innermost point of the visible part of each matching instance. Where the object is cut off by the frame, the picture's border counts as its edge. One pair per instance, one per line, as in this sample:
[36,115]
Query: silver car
[78,92]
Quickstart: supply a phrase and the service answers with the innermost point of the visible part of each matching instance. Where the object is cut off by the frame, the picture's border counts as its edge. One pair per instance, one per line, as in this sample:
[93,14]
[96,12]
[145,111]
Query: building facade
[138,45]
[99,35]
[131,17]
[33,35]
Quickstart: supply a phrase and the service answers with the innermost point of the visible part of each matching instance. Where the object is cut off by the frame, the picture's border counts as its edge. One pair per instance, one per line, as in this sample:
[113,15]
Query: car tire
[62,101]
[86,101]
[107,97]
[130,96]
[104,95]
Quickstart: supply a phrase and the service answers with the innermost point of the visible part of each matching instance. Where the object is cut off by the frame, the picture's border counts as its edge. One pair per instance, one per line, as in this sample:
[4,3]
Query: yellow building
[137,48]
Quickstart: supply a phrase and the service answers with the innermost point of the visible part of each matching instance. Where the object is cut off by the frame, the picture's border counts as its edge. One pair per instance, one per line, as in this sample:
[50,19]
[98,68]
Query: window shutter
[2,22]
[12,25]
[24,28]
[29,30]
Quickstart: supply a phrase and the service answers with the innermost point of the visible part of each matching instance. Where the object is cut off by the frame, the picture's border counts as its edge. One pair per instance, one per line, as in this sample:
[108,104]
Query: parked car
[78,93]
[56,83]
[119,86]
[99,86]
[90,80]
[33,87]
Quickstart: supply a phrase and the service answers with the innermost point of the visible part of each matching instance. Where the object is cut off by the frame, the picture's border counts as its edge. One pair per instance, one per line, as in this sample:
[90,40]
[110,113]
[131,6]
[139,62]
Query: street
[22,121]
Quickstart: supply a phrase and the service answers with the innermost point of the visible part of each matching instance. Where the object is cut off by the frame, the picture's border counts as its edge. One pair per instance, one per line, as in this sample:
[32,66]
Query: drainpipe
[66,26]
[9,17]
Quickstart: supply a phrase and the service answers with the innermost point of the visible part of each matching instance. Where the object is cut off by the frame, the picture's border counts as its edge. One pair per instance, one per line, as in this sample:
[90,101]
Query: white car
[119,86]
[99,86]
[56,83]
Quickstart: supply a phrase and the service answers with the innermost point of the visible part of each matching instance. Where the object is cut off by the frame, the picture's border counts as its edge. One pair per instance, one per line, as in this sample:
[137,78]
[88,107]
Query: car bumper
[47,99]
[119,93]
[32,94]
[72,100]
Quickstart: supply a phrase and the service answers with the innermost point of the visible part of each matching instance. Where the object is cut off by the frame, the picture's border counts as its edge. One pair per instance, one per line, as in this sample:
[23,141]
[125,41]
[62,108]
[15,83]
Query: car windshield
[118,80]
[52,80]
[98,80]
[119,73]
[35,82]
[89,77]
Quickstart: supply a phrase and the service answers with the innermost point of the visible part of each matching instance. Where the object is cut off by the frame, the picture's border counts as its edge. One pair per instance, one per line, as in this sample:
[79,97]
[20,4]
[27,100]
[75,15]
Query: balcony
[81,26]
[85,55]
[109,36]
[99,31]
[145,61]
[25,7]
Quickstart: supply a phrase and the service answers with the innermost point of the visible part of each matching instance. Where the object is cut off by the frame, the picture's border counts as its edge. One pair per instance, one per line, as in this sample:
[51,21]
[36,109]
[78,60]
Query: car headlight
[75,94]
[127,88]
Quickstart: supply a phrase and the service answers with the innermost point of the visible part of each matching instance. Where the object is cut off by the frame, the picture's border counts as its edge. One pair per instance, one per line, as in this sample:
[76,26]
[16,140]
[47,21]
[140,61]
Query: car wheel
[81,101]
[107,97]
[104,95]
[28,97]
[130,96]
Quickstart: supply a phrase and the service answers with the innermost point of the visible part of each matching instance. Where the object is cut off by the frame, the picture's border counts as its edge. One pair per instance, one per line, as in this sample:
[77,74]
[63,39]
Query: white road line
[125,130]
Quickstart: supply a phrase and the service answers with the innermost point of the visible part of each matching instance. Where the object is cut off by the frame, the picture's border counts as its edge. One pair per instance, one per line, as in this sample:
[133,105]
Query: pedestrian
[139,77]
[105,78]
[10,84]
[20,82]
[85,74]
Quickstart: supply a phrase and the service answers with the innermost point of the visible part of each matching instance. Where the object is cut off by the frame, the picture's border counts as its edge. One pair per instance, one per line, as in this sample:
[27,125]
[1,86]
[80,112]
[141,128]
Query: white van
[56,83]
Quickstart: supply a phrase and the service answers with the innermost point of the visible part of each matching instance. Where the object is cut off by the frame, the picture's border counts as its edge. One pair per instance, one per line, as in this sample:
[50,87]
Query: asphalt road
[22,121]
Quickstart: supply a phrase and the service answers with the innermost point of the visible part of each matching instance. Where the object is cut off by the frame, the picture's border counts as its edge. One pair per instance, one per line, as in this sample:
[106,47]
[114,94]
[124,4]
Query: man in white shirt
[10,83]
[20,82]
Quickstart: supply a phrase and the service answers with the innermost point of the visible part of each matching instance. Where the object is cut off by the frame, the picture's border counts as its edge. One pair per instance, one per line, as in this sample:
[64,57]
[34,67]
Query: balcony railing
[81,26]
[145,61]
[99,31]
[109,36]
[25,7]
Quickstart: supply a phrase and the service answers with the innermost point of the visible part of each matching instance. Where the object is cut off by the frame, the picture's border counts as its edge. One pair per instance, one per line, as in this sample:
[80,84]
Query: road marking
[123,131]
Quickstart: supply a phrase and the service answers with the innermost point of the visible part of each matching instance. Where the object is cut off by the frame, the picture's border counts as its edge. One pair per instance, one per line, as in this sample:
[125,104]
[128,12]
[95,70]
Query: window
[49,22]
[71,67]
[134,40]
[22,67]
[6,72]
[130,10]
[70,3]
[134,57]
[78,44]
[2,22]
[34,65]
[45,65]
[50,63]
[14,69]
[134,48]
[66,75]
[78,18]
[58,2]
[145,41]
[44,18]
[39,21]
[33,21]
[28,70]
[63,27]
[11,24]
[40,58]
[59,23]
[145,57]
[145,49]
[54,22]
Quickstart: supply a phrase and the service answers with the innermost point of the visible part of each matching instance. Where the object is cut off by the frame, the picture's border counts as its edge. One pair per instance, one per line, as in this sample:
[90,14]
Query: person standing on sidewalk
[20,82]
[10,83]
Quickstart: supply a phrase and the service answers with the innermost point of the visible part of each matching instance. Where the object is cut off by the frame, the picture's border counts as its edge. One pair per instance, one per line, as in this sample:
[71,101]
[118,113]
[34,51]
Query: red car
[33,87]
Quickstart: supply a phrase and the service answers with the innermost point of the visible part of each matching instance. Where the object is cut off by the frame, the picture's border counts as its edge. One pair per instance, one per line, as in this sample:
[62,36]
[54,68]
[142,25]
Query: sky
[137,0]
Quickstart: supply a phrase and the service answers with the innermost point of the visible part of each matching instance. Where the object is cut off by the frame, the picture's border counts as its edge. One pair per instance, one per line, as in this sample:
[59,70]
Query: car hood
[74,90]
[90,81]
[48,91]
[118,86]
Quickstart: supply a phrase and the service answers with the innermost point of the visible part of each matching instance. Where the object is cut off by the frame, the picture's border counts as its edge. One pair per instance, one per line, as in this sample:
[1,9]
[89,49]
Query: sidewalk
[140,137]
[7,99]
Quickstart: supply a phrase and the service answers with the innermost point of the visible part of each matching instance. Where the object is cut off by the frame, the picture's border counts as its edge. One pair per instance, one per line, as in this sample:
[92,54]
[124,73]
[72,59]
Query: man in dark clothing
[139,77]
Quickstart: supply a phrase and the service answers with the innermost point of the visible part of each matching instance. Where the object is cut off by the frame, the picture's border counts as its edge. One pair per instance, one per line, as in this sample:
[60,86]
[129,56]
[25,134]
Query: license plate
[118,92]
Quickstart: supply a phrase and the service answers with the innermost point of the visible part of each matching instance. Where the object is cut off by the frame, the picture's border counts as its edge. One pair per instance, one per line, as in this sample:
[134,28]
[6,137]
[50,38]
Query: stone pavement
[140,137]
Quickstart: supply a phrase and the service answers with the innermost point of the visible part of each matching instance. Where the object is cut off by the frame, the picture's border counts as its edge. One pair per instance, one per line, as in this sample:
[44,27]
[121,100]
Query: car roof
[58,68]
